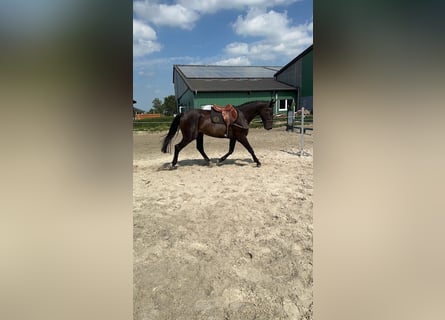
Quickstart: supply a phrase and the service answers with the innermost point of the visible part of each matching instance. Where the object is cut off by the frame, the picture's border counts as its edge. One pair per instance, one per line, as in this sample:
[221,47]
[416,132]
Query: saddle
[228,113]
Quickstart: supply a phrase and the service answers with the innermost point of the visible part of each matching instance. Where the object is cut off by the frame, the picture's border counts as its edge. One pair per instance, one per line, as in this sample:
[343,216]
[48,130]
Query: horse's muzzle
[268,124]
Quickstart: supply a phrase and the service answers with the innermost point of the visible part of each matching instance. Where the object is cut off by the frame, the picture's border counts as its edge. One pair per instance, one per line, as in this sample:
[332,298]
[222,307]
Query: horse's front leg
[231,149]
[246,144]
[200,147]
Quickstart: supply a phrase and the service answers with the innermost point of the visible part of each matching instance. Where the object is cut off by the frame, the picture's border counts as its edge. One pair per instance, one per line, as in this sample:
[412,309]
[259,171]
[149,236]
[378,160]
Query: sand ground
[229,241]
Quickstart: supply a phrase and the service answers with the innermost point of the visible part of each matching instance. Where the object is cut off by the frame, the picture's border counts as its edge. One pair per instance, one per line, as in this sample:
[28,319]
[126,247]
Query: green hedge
[153,124]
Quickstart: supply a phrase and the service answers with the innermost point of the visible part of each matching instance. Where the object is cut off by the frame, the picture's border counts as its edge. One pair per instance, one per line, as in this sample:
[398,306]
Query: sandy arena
[228,241]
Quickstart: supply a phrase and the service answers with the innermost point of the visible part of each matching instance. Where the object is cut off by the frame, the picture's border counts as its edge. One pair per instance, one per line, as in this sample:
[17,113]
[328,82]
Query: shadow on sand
[203,163]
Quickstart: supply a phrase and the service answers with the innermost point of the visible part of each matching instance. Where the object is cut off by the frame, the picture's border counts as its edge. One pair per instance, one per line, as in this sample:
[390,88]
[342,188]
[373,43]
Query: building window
[285,104]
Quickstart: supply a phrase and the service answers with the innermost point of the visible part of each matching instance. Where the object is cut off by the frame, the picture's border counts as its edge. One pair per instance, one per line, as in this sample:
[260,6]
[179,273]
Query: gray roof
[226,72]
[231,78]
[237,85]
[138,110]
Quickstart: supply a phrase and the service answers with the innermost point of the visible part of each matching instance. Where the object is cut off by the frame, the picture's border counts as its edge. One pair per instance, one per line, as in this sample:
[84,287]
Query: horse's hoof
[258,165]
[173,167]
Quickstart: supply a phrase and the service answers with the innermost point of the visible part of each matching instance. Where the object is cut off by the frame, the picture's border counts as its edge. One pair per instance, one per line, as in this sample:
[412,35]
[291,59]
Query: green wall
[224,98]
[307,75]
[190,101]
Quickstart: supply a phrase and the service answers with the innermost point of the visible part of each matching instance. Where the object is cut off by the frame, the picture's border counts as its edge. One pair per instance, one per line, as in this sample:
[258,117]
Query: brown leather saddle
[228,114]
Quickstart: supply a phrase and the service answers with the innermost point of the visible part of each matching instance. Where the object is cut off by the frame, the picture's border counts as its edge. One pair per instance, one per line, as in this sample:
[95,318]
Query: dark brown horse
[195,123]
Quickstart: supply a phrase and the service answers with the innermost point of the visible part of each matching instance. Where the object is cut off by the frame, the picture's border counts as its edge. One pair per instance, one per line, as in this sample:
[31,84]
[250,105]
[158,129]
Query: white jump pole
[302,152]
[302,131]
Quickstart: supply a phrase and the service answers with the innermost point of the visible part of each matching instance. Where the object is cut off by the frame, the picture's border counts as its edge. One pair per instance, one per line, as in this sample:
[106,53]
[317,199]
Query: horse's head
[266,115]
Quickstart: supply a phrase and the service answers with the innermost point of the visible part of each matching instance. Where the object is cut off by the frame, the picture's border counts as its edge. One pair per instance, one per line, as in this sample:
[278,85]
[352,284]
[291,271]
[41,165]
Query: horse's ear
[271,103]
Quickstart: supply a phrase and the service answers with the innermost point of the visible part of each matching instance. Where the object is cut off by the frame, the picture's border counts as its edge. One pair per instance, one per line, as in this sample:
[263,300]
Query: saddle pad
[216,116]
[206,107]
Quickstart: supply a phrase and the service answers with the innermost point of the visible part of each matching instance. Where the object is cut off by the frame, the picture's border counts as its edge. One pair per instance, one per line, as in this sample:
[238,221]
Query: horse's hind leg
[200,146]
[246,144]
[178,148]
[231,149]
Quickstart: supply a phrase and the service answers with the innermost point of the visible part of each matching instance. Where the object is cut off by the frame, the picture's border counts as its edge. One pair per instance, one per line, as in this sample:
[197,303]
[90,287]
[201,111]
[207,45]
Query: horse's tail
[171,133]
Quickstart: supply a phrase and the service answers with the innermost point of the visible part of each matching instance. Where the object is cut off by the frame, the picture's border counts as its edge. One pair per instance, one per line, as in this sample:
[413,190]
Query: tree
[156,106]
[170,105]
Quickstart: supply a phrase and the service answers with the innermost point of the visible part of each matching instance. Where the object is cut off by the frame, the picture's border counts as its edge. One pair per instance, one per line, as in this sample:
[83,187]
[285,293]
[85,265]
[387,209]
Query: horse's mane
[250,102]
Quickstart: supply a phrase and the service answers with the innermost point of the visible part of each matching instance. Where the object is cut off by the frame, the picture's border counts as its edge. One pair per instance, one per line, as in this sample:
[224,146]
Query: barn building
[298,74]
[136,111]
[199,85]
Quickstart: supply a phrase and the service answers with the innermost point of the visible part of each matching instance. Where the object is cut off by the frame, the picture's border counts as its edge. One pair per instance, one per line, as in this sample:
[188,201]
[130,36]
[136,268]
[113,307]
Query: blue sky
[218,32]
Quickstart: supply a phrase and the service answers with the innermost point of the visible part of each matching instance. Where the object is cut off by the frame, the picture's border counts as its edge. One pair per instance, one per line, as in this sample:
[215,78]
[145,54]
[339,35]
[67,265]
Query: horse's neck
[250,113]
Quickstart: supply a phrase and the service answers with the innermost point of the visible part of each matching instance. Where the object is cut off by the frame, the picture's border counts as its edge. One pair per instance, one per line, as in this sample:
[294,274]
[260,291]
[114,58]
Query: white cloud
[236,61]
[263,51]
[144,39]
[212,6]
[260,23]
[185,13]
[276,33]
[164,62]
[237,48]
[143,31]
[175,15]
